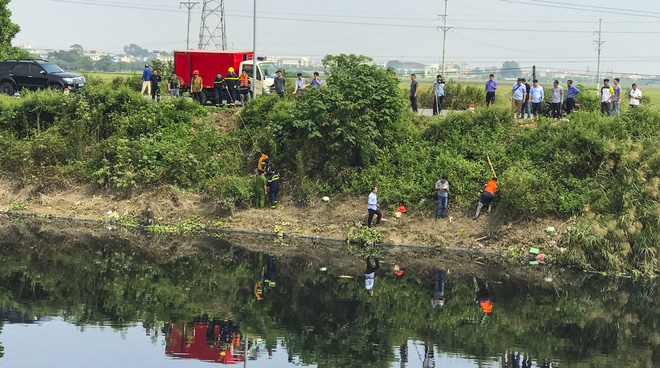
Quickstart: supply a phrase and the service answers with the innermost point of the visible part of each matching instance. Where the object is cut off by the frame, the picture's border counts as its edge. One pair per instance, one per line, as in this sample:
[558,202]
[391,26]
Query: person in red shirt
[486,194]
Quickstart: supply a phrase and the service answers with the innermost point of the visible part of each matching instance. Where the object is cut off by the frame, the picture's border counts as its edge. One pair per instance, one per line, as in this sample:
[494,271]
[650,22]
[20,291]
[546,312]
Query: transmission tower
[600,43]
[212,30]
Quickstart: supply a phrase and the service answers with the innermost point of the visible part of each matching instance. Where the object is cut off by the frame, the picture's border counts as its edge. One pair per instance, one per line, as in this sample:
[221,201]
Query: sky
[548,34]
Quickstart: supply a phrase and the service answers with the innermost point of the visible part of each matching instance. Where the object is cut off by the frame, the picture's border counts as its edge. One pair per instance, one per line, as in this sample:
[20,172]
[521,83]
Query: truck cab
[265,74]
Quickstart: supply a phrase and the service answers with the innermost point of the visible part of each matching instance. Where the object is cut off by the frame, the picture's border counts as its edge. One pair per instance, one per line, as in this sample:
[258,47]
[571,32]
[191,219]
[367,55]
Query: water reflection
[222,304]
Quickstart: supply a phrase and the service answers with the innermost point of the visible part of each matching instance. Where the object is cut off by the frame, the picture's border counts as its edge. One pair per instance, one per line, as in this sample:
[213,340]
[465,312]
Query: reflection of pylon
[212,29]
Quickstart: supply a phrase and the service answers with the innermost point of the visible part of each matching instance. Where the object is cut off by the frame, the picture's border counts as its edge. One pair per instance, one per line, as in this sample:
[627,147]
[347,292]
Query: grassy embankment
[344,139]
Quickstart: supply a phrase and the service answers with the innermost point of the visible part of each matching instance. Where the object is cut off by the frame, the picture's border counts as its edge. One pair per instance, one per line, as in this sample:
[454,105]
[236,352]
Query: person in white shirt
[300,85]
[373,207]
[606,95]
[635,96]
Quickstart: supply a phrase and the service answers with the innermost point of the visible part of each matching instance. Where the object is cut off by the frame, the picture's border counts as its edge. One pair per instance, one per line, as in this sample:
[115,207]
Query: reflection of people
[482,296]
[429,358]
[370,275]
[438,300]
[270,274]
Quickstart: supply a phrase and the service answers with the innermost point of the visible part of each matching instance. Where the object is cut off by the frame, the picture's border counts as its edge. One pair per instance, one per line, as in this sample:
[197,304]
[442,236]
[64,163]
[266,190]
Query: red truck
[209,63]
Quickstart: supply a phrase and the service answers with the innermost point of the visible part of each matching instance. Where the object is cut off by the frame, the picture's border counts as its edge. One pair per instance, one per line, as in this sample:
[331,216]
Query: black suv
[36,74]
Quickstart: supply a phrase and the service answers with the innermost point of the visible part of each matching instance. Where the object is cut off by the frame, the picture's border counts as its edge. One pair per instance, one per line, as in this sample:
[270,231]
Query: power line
[574,7]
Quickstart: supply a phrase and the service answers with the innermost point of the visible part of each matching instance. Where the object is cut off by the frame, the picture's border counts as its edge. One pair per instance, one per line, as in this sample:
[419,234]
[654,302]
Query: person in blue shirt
[438,94]
[146,80]
[373,207]
[571,92]
[489,92]
[316,82]
[538,97]
[442,186]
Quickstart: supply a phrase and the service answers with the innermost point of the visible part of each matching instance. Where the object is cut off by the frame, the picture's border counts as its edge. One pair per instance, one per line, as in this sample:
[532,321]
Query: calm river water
[103,301]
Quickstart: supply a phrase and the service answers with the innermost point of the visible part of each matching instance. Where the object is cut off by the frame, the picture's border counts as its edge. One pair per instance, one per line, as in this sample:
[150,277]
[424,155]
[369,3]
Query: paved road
[429,112]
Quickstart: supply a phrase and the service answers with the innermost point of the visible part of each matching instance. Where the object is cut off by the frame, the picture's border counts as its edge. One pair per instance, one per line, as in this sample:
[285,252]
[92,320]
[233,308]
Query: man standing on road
[635,96]
[196,86]
[231,84]
[571,92]
[299,85]
[373,207]
[557,100]
[442,186]
[489,92]
[218,86]
[414,86]
[279,83]
[538,97]
[525,107]
[173,85]
[616,98]
[146,81]
[438,94]
[155,79]
[606,94]
[517,96]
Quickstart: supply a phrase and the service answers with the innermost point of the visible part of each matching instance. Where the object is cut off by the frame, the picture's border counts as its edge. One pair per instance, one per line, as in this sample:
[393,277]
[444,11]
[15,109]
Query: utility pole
[599,43]
[212,31]
[444,29]
[533,72]
[189,5]
[254,51]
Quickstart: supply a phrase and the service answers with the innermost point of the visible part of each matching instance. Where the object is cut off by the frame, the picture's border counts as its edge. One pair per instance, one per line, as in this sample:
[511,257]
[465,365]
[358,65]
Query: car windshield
[52,68]
[268,69]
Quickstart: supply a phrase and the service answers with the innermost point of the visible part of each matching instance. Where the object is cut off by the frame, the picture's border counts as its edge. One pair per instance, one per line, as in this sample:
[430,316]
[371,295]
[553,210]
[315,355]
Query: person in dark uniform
[273,185]
[155,79]
[231,83]
[270,274]
[218,86]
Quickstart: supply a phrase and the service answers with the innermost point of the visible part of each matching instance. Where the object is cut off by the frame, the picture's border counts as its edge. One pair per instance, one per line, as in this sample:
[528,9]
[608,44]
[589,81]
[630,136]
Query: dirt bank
[168,206]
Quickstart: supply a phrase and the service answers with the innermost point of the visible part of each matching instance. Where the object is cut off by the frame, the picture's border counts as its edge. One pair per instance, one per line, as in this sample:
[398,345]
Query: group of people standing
[279,84]
[486,195]
[267,184]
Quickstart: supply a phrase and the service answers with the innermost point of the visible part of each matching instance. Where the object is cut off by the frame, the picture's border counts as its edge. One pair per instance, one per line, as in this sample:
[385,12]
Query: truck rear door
[182,67]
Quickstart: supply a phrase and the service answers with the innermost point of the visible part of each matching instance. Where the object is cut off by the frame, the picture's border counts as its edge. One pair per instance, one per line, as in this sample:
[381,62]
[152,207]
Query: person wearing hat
[438,94]
[300,85]
[196,86]
[146,80]
[231,84]
[517,96]
[442,186]
[486,195]
[218,86]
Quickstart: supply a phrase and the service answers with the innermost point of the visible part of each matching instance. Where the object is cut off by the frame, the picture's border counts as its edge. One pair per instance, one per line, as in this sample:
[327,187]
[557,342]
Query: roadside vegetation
[353,134]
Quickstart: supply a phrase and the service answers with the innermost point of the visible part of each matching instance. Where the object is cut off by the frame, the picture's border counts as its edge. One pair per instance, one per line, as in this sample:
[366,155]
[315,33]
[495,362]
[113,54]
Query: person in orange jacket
[263,162]
[486,194]
[483,296]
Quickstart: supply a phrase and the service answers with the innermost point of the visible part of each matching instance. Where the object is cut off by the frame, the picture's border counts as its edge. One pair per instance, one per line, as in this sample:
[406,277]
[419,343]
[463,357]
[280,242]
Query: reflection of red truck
[209,63]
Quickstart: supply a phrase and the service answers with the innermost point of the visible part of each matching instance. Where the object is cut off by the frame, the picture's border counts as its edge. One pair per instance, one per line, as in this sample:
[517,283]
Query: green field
[107,77]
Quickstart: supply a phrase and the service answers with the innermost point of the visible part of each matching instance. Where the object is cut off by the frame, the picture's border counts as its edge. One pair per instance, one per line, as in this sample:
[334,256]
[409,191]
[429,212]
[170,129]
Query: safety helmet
[231,70]
[196,72]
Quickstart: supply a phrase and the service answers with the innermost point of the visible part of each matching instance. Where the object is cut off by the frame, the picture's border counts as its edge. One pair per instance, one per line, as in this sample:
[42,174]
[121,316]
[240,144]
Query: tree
[8,31]
[136,50]
[510,69]
[77,48]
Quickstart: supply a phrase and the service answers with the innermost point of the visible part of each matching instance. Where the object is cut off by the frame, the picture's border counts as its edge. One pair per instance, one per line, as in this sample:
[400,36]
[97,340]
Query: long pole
[254,51]
[189,5]
[599,43]
[444,29]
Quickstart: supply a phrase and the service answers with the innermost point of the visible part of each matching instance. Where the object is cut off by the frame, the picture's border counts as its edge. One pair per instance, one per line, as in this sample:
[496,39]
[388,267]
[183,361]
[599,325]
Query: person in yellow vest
[196,87]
